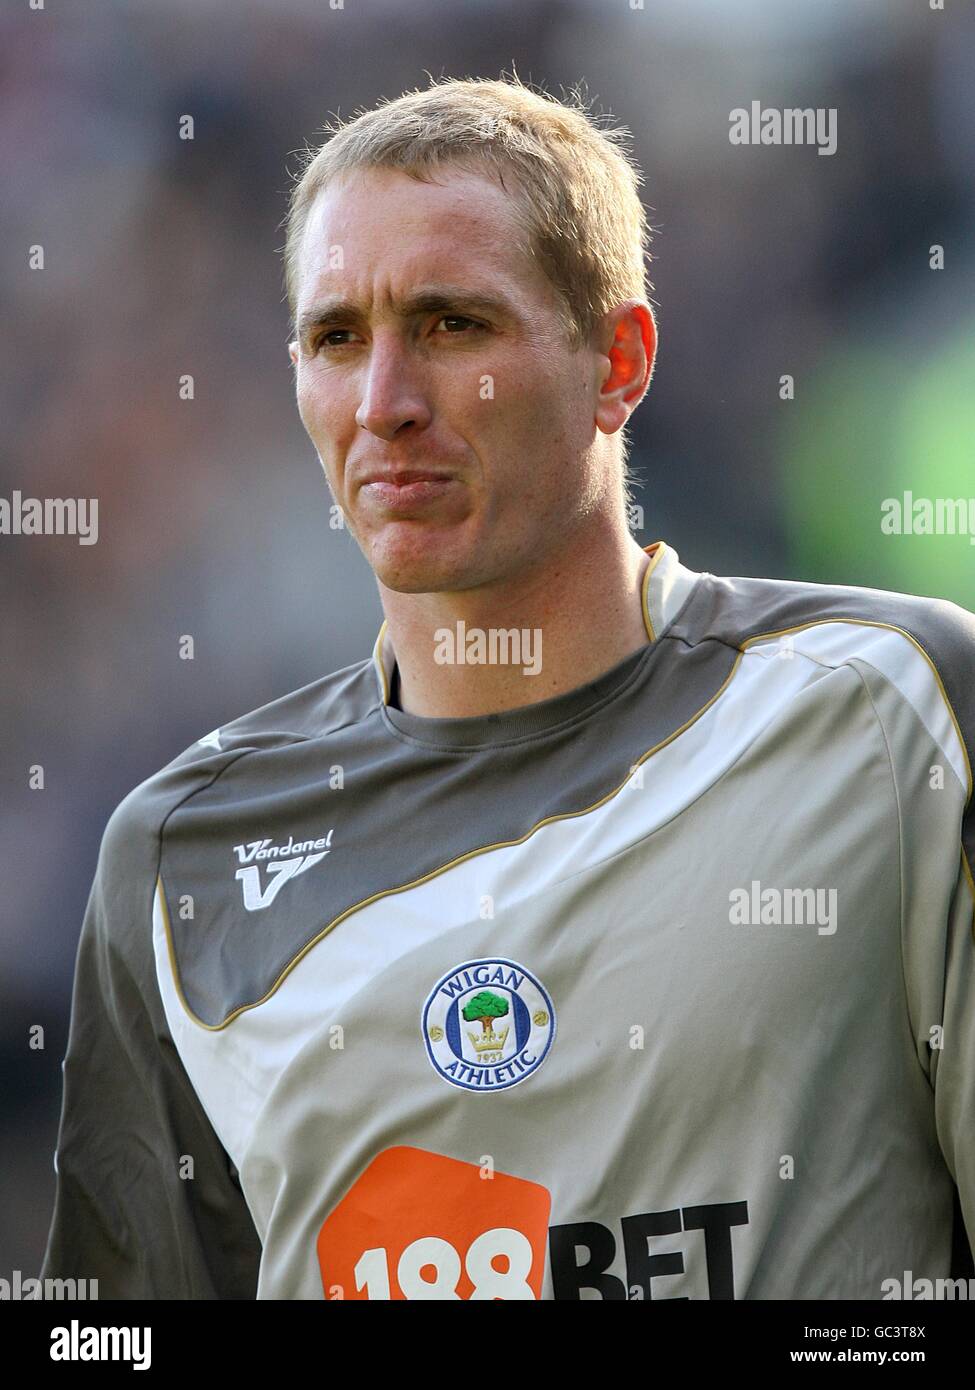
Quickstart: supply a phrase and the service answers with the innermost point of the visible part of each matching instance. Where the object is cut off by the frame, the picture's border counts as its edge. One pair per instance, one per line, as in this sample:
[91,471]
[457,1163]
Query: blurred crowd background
[162,258]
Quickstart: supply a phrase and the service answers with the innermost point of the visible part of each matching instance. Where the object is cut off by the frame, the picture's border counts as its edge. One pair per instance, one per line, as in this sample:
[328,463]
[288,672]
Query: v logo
[282,870]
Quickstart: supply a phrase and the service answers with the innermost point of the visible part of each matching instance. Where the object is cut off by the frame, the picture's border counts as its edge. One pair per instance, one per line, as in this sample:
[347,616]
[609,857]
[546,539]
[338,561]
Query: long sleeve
[927,712]
[954,1065]
[126,1211]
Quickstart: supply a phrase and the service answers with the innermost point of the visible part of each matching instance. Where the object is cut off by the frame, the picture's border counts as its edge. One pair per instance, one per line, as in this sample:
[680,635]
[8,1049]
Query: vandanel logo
[487,1025]
[283,862]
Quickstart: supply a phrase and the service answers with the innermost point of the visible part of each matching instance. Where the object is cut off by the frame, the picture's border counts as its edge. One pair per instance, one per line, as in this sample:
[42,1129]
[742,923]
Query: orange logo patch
[419,1225]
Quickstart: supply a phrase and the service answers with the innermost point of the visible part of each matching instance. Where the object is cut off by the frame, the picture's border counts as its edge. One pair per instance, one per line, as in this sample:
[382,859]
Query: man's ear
[293,353]
[629,343]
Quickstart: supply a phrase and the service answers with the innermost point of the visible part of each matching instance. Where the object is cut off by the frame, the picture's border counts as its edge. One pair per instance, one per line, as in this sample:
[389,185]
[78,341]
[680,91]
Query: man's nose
[392,394]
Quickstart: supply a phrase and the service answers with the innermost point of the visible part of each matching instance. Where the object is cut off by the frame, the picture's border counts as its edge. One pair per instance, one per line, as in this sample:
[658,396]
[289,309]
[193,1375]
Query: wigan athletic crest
[487,1025]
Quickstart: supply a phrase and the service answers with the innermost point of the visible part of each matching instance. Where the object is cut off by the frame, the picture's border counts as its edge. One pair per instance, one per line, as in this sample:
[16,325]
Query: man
[608,933]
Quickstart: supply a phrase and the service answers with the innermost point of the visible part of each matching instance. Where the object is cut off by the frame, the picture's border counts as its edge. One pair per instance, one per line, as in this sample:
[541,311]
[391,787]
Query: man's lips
[408,488]
[401,476]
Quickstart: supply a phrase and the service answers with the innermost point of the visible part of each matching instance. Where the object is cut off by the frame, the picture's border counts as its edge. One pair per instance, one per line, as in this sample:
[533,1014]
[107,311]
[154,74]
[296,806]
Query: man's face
[441,350]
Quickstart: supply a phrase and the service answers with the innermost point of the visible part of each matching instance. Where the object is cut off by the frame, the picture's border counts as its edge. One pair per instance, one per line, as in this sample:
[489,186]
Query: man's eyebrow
[435,299]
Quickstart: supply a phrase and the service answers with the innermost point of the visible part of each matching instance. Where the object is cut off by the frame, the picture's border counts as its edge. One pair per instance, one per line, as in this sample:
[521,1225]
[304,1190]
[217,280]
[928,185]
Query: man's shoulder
[744,608]
[744,611]
[924,647]
[324,706]
[331,703]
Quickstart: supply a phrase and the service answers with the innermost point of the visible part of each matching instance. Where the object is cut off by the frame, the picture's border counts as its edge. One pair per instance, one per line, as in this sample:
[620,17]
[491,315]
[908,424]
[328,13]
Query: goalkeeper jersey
[662,988]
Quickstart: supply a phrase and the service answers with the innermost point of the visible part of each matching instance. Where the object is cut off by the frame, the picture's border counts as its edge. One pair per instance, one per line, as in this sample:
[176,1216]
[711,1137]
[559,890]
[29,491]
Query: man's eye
[337,337]
[324,339]
[459,318]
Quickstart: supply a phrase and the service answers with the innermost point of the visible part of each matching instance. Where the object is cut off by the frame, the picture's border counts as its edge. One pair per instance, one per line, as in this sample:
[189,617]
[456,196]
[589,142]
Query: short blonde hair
[577,196]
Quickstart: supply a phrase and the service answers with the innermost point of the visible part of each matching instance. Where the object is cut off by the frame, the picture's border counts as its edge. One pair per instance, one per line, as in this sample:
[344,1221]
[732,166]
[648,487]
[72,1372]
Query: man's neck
[472,652]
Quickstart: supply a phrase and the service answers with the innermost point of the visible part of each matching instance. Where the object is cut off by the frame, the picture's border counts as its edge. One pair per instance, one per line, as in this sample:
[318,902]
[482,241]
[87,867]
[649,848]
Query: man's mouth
[408,488]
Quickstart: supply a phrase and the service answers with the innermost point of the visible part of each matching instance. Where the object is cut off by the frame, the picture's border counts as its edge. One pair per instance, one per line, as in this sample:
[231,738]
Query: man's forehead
[448,184]
[379,219]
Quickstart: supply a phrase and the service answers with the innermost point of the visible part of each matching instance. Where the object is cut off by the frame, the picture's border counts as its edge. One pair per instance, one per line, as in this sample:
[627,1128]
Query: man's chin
[419,559]
[419,578]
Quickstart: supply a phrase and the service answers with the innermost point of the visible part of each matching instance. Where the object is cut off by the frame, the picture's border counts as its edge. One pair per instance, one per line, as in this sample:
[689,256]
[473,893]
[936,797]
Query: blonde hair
[576,197]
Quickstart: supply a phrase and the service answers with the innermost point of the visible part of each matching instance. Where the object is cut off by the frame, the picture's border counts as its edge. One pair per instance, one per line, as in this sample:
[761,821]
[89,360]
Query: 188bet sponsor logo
[421,1225]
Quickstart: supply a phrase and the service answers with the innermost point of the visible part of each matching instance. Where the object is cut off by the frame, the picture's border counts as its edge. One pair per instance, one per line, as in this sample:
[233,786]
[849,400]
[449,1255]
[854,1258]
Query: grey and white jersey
[660,988]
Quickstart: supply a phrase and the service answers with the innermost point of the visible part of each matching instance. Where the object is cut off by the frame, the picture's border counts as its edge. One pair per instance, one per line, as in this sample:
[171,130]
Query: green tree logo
[487,1007]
